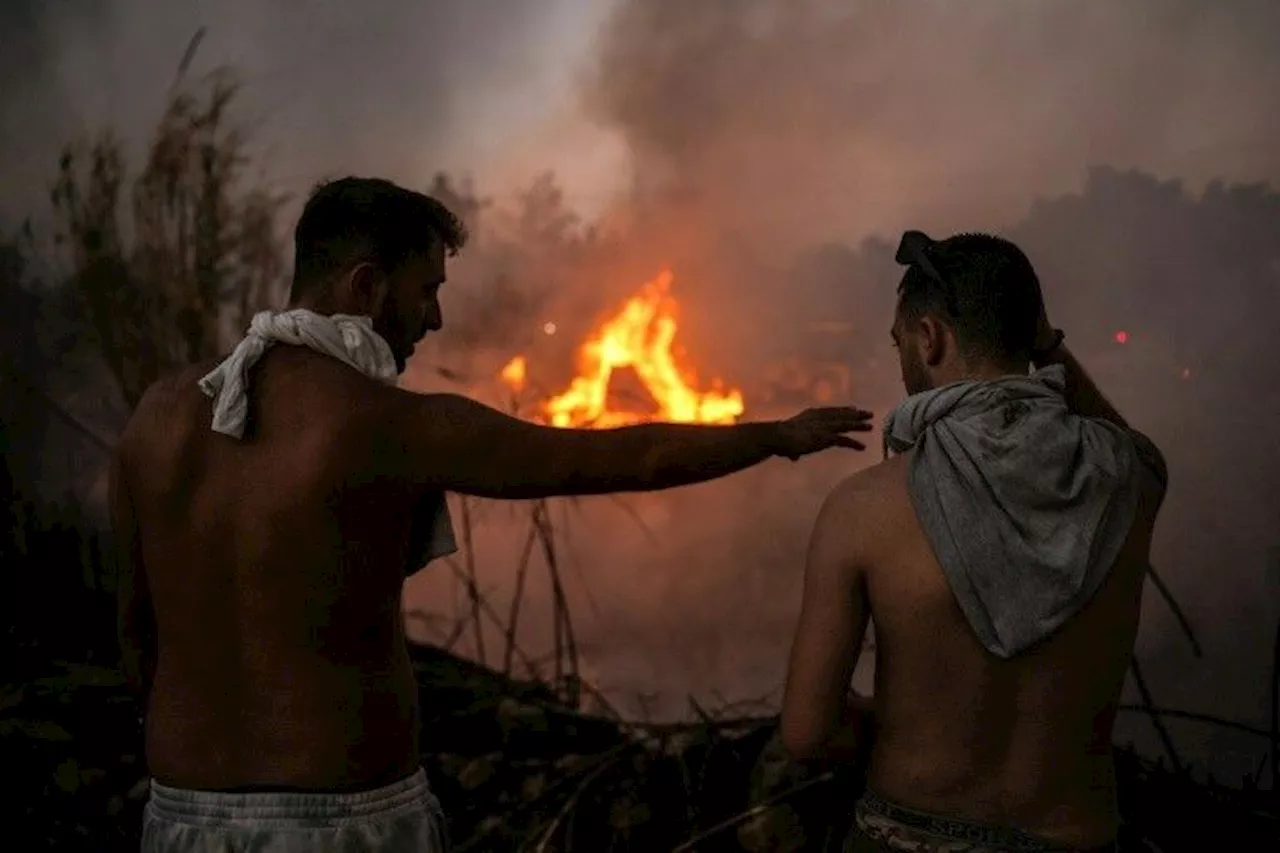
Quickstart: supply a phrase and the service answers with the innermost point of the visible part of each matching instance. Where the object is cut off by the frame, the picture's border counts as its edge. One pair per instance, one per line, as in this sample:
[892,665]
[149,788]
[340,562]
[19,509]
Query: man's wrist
[770,438]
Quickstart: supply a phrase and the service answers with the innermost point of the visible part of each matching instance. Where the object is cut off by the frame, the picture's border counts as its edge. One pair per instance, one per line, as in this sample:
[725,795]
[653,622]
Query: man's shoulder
[1150,469]
[868,501]
[868,512]
[161,410]
[182,381]
[164,398]
[875,484]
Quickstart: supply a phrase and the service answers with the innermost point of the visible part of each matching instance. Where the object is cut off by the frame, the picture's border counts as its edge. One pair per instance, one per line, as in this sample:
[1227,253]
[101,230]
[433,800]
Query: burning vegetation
[640,337]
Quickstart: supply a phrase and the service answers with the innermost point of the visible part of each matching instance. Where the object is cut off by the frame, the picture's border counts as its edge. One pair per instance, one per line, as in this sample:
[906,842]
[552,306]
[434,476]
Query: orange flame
[638,336]
[515,372]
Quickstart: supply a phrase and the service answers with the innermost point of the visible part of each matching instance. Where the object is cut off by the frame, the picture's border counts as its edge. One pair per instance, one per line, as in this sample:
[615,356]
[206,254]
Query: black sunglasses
[913,251]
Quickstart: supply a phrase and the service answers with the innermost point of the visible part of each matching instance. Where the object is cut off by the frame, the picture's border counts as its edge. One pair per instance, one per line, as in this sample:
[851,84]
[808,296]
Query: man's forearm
[661,456]
[450,443]
[678,454]
[1082,395]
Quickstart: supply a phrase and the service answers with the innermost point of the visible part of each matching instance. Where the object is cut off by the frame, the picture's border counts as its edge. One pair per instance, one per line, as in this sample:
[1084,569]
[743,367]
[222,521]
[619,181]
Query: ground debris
[517,769]
[562,780]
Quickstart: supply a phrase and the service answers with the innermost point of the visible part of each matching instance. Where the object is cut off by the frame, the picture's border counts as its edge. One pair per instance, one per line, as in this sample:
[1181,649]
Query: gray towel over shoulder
[1026,504]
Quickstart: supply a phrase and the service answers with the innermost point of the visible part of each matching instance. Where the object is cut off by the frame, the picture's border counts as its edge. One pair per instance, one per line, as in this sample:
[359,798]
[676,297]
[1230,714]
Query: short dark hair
[982,285]
[353,220]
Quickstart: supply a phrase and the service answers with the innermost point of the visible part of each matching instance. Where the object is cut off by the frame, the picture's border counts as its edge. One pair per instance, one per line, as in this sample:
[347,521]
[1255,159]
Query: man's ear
[367,289]
[934,339]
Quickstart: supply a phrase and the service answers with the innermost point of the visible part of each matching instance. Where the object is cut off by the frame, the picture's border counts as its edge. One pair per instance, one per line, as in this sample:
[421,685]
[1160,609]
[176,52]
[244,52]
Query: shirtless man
[1001,556]
[265,536]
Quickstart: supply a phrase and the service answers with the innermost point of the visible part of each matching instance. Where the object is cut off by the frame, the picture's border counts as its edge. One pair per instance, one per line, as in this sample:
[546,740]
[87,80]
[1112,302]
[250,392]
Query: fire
[515,372]
[638,336]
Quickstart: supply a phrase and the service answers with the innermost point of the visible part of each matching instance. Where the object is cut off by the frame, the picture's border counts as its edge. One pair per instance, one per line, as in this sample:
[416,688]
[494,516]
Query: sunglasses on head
[913,251]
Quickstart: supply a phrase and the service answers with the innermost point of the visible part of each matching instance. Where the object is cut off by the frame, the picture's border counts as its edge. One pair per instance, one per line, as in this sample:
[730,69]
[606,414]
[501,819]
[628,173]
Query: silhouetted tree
[166,263]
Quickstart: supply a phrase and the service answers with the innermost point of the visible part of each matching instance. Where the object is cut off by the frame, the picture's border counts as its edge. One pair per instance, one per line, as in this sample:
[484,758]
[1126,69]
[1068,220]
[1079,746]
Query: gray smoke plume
[760,131]
[811,120]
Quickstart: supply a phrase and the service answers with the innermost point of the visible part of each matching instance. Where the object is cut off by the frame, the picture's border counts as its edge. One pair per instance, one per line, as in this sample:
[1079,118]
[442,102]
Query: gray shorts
[403,816]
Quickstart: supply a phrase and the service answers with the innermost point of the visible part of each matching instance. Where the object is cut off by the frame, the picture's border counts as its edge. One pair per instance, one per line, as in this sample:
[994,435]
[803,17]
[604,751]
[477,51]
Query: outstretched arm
[449,442]
[820,716]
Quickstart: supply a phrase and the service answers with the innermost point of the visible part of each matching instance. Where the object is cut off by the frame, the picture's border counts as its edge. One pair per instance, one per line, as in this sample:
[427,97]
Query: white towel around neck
[346,337]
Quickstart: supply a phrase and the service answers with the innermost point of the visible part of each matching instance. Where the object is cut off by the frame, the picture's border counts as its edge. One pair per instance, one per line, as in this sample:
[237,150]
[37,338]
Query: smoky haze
[769,146]
[769,142]
[814,120]
[331,87]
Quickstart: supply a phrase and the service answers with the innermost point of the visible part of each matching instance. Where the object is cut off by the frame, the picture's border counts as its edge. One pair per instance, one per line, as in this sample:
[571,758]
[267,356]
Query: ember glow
[639,336]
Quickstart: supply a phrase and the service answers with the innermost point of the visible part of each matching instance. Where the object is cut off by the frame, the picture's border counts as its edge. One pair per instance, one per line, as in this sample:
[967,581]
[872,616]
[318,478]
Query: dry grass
[167,262]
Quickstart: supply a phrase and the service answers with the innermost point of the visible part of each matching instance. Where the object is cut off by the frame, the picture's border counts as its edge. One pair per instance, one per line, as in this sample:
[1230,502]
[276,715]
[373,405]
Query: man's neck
[981,371]
[323,301]
[320,306]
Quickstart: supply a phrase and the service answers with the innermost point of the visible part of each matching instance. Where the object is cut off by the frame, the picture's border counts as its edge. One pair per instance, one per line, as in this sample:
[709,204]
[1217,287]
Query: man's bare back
[1001,555]
[1037,725]
[275,566]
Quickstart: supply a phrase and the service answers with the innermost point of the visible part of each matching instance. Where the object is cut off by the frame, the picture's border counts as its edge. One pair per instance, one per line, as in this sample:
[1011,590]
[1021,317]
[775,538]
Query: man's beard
[402,343]
[915,378]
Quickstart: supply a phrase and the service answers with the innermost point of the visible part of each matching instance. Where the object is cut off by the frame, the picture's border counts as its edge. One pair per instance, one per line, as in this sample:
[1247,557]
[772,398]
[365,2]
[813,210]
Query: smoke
[816,120]
[331,88]
[772,143]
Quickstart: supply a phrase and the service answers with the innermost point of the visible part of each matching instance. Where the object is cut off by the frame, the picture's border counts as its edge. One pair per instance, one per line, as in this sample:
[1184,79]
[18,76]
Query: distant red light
[1122,337]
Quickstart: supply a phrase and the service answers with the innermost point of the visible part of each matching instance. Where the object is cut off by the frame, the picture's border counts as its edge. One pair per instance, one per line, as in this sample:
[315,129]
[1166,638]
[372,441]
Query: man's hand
[818,429]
